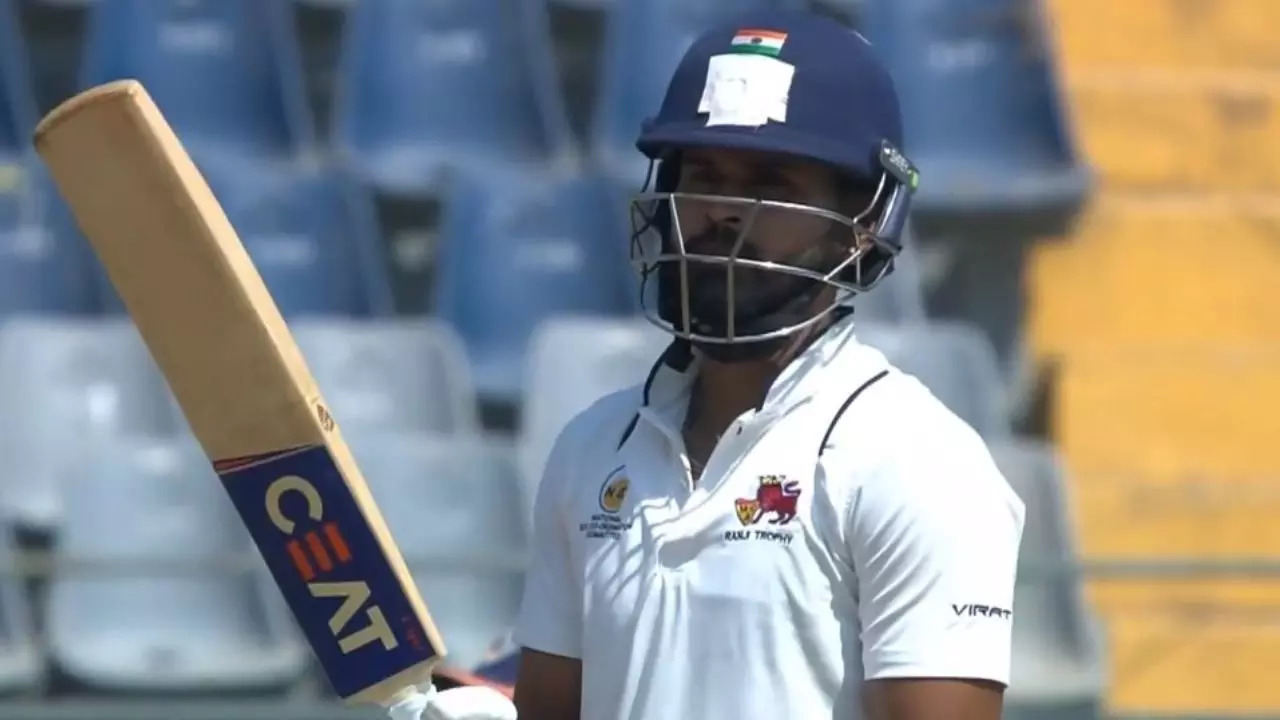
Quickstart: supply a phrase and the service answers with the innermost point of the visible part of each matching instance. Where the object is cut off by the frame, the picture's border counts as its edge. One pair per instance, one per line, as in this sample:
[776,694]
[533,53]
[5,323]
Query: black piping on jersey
[679,355]
[676,347]
[845,406]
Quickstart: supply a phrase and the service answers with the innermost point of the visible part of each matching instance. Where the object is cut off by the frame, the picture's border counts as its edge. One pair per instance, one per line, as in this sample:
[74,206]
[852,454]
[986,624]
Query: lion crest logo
[775,494]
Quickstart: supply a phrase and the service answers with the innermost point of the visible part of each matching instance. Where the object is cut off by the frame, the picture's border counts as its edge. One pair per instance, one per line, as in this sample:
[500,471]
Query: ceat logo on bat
[329,565]
[776,495]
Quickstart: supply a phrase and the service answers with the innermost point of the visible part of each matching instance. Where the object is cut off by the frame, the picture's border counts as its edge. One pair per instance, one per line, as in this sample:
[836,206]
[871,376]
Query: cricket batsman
[775,522]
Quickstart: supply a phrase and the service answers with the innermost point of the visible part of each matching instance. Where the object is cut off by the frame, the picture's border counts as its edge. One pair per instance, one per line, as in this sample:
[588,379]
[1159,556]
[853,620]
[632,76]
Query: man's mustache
[721,240]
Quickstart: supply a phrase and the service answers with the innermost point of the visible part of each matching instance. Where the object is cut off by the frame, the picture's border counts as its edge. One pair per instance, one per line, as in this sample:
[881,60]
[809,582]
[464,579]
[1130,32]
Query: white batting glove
[462,703]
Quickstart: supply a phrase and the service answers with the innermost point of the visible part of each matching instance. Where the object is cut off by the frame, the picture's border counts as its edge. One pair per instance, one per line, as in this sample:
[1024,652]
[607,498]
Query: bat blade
[241,381]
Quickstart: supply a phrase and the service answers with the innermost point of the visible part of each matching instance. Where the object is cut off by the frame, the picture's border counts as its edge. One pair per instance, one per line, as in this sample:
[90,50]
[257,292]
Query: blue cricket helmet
[841,106]
[788,83]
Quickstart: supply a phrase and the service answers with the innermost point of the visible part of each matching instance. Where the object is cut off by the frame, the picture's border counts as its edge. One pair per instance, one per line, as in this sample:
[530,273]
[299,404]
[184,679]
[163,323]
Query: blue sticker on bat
[328,564]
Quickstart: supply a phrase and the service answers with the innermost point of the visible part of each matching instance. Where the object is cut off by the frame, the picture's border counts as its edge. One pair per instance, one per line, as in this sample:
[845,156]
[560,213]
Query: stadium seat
[45,264]
[982,111]
[574,361]
[226,73]
[1131,252]
[142,606]
[425,88]
[17,101]
[513,255]
[955,362]
[1150,128]
[1167,109]
[62,383]
[1202,414]
[453,508]
[314,255]
[1230,35]
[1059,670]
[402,374]
[644,41]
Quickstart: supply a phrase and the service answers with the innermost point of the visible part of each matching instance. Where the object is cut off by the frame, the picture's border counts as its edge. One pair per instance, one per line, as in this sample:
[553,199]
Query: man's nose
[724,214]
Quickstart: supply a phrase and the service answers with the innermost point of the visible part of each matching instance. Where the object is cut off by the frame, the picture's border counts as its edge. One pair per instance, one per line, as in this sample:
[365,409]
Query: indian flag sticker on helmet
[758,42]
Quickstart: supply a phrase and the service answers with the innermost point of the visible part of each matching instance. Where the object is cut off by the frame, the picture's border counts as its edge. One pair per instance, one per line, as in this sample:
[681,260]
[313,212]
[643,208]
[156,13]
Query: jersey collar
[666,390]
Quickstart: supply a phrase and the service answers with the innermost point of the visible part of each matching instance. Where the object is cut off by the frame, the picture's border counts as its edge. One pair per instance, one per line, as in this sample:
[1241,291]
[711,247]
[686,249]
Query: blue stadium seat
[45,264]
[515,254]
[226,73]
[981,106]
[154,509]
[17,101]
[391,374]
[313,254]
[643,43]
[41,270]
[62,381]
[304,242]
[955,362]
[574,361]
[428,87]
[1059,656]
[453,506]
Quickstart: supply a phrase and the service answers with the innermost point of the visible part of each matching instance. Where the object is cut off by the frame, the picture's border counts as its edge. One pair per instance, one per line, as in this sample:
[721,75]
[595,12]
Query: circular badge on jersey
[614,492]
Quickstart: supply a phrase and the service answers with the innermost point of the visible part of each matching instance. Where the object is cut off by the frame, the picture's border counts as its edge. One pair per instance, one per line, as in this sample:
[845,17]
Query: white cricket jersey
[789,573]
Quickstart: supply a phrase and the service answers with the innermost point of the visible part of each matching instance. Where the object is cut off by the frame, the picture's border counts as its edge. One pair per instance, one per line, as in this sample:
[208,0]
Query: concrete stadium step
[1166,128]
[1213,661]
[1168,33]
[1173,412]
[1121,517]
[1163,269]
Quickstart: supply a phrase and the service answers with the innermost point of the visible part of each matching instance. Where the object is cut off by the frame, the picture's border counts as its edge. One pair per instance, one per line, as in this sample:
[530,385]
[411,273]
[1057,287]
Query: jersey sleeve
[933,536]
[550,618]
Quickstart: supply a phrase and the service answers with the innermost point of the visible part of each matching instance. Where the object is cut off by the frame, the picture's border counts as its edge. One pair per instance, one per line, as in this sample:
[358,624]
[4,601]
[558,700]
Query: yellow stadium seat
[1121,515]
[1206,413]
[1175,271]
[1185,595]
[1162,313]
[1166,128]
[1183,660]
[1225,34]
[1170,452]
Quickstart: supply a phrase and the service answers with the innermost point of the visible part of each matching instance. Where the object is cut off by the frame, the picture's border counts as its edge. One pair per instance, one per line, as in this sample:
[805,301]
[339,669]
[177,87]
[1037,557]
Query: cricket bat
[230,361]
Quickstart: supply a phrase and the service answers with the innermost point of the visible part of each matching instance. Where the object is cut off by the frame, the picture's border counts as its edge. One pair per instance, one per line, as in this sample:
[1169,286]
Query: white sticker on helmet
[746,89]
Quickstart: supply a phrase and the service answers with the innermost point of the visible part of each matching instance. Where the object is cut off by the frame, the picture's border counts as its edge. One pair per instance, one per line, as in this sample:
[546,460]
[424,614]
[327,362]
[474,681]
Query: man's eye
[700,182]
[775,190]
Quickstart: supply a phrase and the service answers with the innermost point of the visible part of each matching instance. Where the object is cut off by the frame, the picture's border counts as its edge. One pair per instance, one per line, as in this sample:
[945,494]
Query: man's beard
[764,300]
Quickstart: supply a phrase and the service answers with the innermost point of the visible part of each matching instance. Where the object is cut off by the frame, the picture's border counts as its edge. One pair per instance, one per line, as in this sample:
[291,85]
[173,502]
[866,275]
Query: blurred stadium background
[435,192]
